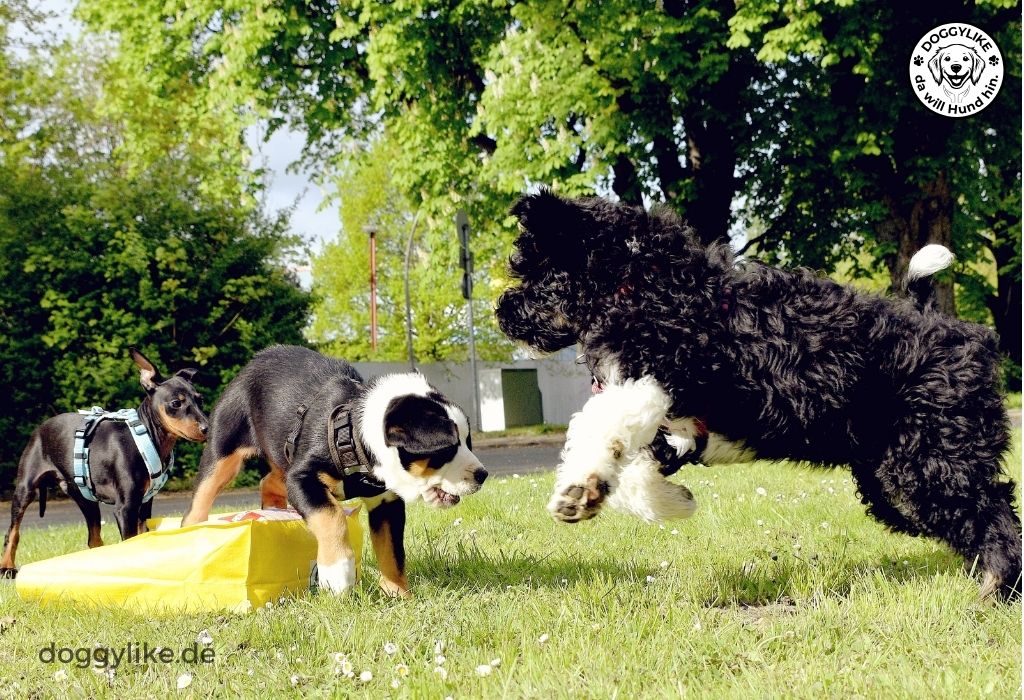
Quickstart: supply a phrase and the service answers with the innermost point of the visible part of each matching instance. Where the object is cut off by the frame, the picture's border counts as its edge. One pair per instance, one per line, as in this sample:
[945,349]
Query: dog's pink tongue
[596,387]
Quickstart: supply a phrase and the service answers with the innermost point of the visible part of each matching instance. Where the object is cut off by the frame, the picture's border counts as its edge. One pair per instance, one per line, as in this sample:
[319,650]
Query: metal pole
[472,362]
[373,286]
[408,302]
[466,257]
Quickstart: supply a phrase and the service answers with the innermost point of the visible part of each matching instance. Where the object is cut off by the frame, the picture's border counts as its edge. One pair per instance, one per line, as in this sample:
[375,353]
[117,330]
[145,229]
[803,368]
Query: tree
[857,161]
[795,119]
[476,101]
[98,254]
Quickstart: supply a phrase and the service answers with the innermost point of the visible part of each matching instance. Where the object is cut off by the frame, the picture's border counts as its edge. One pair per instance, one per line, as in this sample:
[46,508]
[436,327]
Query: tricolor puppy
[329,436]
[742,361]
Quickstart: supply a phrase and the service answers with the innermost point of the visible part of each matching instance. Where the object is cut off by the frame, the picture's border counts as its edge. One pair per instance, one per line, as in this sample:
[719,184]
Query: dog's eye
[175,404]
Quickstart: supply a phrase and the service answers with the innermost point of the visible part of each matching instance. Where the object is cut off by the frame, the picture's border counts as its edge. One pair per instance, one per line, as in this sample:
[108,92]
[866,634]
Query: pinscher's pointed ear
[418,425]
[148,375]
[186,373]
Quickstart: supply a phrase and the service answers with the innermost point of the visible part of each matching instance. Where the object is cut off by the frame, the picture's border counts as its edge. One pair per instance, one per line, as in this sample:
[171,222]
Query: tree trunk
[1005,304]
[712,160]
[927,218]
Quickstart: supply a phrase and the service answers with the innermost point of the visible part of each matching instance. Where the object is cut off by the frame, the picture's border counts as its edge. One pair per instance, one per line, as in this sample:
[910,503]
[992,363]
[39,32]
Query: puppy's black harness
[346,450]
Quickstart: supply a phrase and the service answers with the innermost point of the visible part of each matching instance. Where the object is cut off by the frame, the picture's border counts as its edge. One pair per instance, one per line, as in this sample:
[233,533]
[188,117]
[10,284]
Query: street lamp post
[372,230]
[408,302]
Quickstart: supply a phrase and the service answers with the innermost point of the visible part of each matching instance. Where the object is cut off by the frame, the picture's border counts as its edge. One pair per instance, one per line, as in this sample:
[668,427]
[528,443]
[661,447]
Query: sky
[309,220]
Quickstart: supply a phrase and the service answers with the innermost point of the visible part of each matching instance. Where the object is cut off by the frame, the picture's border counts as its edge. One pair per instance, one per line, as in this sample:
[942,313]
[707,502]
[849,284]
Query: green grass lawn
[779,586]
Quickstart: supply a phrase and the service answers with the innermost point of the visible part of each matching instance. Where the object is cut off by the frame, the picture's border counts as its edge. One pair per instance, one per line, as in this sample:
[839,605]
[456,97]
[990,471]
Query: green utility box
[520,394]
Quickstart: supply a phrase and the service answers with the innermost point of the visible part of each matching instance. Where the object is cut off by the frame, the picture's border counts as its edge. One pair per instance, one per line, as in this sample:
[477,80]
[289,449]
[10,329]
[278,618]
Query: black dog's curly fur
[794,365]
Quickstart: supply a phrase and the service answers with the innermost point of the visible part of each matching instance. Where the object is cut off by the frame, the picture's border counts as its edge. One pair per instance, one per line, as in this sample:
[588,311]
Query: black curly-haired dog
[742,361]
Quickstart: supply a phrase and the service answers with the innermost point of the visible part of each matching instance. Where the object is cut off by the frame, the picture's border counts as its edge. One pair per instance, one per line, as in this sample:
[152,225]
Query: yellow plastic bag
[216,565]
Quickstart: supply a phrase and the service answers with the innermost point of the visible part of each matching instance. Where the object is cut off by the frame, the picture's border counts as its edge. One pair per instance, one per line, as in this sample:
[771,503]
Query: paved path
[500,456]
[509,456]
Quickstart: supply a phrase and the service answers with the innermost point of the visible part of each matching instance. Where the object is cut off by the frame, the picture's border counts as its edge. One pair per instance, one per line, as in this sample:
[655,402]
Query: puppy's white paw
[339,577]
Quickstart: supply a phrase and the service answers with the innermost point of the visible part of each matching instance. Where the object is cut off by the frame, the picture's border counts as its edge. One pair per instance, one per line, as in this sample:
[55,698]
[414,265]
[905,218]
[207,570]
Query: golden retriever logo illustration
[956,70]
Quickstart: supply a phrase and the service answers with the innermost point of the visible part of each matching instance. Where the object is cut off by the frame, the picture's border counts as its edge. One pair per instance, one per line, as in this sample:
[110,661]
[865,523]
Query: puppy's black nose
[479,475]
[955,67]
[203,427]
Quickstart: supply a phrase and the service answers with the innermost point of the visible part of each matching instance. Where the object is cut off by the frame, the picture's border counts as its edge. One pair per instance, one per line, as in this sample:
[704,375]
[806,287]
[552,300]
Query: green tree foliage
[341,272]
[98,253]
[857,162]
[794,119]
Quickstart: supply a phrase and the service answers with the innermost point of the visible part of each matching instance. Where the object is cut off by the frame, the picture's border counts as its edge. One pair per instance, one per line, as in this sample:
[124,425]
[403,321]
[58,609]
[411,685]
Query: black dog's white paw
[578,502]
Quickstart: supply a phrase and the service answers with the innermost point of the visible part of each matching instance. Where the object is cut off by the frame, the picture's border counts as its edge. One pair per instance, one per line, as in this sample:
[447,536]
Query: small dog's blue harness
[143,441]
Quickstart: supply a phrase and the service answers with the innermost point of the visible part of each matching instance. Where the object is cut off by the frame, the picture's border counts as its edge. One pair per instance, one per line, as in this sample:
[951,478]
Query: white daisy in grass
[440,659]
[395,683]
[442,672]
[366,676]
[761,491]
[343,667]
[439,646]
[390,648]
[184,681]
[543,639]
[484,670]
[60,675]
[401,670]
[496,662]
[205,638]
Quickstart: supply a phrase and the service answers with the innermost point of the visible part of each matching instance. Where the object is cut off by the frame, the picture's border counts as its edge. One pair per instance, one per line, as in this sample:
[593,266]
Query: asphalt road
[510,459]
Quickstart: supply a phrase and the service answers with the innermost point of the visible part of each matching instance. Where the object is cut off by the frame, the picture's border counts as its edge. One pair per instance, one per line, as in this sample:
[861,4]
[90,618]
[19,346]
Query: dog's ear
[935,68]
[551,226]
[977,66]
[148,375]
[418,425]
[549,217]
[186,373]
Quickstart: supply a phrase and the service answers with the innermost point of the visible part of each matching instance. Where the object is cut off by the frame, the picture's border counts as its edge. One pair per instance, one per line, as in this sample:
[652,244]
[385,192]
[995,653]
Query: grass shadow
[833,576]
[462,565]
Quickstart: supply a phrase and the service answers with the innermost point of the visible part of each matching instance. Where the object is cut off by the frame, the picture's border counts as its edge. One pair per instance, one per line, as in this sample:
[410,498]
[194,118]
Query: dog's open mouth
[442,498]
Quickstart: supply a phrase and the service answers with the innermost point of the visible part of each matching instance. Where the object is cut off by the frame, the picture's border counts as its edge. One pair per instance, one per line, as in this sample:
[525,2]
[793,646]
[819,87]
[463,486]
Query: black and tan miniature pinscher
[329,436]
[172,409]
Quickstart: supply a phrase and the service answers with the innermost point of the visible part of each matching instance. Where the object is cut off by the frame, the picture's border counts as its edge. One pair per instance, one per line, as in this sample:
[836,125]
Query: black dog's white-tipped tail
[925,263]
